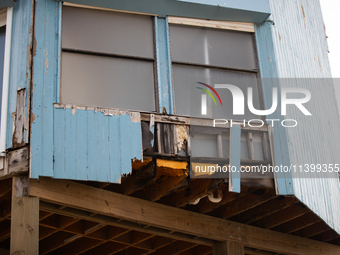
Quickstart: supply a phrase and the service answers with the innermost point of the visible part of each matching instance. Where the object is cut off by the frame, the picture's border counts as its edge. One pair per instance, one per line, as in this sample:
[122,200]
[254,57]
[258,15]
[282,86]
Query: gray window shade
[188,97]
[215,47]
[107,32]
[107,82]
[107,59]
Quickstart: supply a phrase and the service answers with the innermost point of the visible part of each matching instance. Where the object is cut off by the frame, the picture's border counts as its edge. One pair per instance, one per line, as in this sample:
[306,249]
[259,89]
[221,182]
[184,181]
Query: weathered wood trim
[104,9]
[18,138]
[167,119]
[153,214]
[228,25]
[20,186]
[16,161]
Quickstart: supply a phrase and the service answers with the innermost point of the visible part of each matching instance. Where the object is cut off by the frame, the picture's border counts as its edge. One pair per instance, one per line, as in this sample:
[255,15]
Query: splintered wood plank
[229,25]
[139,179]
[17,161]
[162,187]
[25,225]
[18,138]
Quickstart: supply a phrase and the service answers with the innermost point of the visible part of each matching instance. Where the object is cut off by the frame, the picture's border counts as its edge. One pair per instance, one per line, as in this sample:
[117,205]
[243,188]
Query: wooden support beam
[123,224]
[132,209]
[24,219]
[25,225]
[228,248]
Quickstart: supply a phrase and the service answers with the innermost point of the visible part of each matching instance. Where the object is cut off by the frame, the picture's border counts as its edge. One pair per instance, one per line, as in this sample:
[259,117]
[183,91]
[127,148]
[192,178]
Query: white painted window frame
[5,20]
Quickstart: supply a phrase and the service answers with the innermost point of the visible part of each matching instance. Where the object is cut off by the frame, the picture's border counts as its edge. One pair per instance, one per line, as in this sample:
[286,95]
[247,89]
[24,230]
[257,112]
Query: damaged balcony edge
[161,118]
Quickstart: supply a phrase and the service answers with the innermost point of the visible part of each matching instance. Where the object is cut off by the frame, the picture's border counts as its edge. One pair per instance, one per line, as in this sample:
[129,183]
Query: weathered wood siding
[20,63]
[68,143]
[295,46]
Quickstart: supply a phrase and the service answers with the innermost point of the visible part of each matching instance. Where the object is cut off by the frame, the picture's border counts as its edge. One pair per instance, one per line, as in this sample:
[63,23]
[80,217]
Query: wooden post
[228,248]
[24,219]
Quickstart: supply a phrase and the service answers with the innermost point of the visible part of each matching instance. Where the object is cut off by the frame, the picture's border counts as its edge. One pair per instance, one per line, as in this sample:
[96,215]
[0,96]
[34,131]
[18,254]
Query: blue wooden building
[167,126]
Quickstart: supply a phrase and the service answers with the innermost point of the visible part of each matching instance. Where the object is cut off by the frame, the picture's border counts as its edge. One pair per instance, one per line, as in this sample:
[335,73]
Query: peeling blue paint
[284,53]
[235,159]
[269,74]
[165,91]
[19,66]
[69,143]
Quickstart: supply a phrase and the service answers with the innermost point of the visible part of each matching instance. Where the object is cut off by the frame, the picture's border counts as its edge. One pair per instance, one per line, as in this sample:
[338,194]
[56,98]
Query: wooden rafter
[173,219]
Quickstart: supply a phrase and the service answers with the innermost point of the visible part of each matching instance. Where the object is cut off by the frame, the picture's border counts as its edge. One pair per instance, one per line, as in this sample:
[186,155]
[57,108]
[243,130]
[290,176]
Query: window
[211,56]
[108,59]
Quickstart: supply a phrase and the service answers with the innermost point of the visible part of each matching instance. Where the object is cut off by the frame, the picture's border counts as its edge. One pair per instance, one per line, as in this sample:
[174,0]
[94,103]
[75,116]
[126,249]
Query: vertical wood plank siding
[20,61]
[299,48]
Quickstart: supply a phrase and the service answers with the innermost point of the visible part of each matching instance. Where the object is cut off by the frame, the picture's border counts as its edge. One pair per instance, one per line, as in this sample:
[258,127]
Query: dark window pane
[188,97]
[214,47]
[107,32]
[107,82]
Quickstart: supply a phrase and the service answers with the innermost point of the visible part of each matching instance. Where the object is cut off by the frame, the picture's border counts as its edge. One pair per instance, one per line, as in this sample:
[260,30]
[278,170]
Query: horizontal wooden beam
[104,202]
[228,25]
[85,215]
